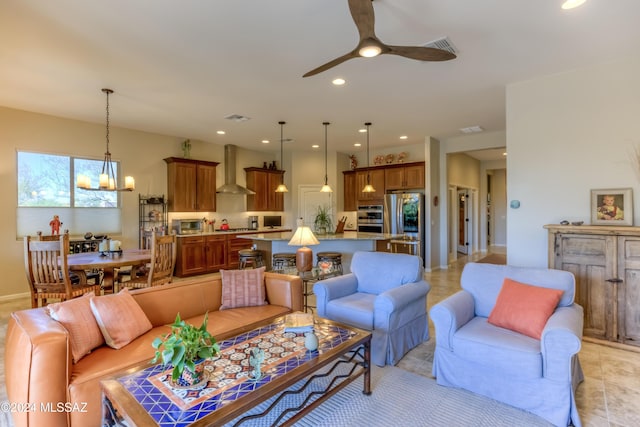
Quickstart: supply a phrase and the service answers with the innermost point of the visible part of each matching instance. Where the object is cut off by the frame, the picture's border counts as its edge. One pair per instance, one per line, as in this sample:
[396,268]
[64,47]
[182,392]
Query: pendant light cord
[326,176]
[367,124]
[282,150]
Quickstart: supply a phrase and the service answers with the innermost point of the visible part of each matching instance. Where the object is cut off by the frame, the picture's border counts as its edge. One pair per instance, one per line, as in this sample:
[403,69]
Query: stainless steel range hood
[230,186]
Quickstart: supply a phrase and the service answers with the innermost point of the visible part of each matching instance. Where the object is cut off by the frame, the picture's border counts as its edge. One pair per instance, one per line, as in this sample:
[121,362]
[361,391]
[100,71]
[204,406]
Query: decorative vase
[311,341]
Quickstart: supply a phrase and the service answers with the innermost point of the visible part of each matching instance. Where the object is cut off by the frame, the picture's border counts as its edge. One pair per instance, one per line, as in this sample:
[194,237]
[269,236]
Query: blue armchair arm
[400,305]
[451,314]
[335,287]
[561,339]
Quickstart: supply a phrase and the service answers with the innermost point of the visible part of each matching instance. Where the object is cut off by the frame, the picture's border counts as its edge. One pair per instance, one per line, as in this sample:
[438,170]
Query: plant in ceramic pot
[182,347]
[322,222]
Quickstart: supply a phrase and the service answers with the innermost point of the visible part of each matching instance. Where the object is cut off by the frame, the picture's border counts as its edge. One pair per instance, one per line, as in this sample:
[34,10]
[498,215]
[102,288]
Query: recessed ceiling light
[471,129]
[220,132]
[338,81]
[315,146]
[357,144]
[362,130]
[404,137]
[265,141]
[570,4]
[504,154]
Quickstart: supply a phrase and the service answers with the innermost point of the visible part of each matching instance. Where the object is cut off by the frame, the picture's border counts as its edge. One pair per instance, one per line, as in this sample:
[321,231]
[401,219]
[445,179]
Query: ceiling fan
[370,46]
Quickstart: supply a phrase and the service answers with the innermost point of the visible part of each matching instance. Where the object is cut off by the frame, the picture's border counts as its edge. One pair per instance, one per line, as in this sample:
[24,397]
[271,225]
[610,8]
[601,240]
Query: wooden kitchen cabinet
[191,185]
[191,256]
[264,183]
[377,180]
[350,195]
[406,177]
[215,248]
[605,261]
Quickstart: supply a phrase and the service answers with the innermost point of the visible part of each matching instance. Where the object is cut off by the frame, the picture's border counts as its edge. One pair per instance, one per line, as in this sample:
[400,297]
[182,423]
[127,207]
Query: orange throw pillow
[524,308]
[120,318]
[77,318]
[243,288]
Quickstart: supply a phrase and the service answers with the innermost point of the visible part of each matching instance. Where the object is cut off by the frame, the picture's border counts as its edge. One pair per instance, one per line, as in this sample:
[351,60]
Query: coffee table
[142,396]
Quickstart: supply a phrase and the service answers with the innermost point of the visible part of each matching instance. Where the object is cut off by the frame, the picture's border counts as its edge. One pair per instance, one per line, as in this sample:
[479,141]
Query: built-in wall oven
[370,219]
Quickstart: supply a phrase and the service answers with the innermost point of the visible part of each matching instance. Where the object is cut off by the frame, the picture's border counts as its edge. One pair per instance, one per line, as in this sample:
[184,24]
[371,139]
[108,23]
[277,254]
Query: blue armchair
[539,376]
[384,293]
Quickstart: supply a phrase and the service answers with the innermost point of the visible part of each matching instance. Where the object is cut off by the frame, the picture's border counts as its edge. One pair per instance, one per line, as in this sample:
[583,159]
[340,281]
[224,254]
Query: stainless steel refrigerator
[404,216]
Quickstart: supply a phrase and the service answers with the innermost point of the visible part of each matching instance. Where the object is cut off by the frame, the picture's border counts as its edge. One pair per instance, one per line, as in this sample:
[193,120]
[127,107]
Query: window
[46,187]
[45,180]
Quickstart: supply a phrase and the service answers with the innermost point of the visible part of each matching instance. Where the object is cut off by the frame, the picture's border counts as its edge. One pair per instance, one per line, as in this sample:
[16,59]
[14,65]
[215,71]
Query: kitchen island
[346,243]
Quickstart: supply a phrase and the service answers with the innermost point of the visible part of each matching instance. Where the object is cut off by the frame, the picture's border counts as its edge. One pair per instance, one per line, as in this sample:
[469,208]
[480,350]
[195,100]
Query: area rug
[493,259]
[401,398]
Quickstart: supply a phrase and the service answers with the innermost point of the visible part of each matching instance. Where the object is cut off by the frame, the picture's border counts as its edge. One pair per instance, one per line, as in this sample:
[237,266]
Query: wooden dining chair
[47,271]
[163,261]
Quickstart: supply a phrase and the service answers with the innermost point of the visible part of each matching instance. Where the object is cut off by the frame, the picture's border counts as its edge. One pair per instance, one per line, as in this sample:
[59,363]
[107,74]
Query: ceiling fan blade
[333,63]
[421,53]
[363,16]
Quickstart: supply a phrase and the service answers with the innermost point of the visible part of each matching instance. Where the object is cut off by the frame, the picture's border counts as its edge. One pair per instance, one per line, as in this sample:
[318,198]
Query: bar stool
[282,260]
[335,258]
[250,258]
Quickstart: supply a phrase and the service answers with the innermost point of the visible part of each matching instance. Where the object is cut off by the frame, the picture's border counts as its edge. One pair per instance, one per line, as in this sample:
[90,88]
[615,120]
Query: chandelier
[107,179]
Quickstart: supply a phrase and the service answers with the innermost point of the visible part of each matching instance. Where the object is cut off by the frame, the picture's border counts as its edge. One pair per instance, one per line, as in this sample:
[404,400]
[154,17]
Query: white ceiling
[178,67]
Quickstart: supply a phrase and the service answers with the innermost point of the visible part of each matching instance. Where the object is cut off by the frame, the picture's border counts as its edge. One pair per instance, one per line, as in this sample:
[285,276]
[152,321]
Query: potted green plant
[322,223]
[182,347]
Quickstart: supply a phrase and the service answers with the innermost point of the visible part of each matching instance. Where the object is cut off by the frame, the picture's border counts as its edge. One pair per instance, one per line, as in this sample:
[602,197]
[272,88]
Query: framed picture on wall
[612,206]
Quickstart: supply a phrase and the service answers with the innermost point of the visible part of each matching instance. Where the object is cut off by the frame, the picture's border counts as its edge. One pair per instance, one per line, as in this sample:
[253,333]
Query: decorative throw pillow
[77,318]
[524,308]
[120,318]
[243,288]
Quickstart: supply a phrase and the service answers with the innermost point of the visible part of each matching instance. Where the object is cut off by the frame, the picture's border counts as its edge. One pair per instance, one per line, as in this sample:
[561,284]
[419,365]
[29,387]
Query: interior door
[464,208]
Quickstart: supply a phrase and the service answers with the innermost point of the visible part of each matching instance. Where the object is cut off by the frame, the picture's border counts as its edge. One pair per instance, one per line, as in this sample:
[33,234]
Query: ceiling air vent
[444,44]
[237,118]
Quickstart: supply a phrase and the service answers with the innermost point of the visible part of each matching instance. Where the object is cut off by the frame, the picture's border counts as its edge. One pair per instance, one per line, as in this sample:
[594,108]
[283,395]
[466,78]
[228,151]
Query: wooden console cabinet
[606,263]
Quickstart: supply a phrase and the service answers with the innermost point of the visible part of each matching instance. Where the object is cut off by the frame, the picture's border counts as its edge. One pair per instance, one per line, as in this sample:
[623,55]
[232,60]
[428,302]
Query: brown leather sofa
[38,364]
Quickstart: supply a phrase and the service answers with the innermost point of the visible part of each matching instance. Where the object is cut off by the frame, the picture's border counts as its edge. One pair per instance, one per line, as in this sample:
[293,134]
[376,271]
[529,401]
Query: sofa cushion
[120,318]
[77,318]
[378,272]
[243,288]
[524,308]
[501,350]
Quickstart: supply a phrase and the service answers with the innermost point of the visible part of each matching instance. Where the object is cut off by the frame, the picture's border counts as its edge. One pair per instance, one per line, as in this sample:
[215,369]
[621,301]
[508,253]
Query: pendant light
[107,178]
[282,188]
[325,188]
[368,188]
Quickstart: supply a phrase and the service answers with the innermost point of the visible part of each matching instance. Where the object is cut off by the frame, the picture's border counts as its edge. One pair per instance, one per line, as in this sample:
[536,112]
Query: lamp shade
[304,256]
[303,237]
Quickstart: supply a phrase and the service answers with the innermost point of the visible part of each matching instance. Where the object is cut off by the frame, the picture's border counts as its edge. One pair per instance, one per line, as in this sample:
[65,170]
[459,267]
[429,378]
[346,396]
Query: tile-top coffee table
[143,396]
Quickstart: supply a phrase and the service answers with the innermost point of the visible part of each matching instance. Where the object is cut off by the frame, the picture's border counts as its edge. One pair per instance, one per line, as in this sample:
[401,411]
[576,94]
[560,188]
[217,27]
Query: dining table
[107,262]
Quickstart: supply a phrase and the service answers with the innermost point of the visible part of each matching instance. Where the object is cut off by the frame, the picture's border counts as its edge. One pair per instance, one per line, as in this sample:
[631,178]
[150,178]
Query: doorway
[464,223]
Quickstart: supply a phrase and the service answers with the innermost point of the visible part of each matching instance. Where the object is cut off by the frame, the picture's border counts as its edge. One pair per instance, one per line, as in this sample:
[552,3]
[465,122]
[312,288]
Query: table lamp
[303,237]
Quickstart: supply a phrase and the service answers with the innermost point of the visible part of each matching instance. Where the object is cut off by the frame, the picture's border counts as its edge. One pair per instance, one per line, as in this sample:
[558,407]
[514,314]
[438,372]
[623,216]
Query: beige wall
[567,134]
[140,155]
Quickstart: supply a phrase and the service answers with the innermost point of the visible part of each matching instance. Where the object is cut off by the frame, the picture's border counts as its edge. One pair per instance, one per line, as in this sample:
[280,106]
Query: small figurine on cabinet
[354,161]
[186,148]
[55,225]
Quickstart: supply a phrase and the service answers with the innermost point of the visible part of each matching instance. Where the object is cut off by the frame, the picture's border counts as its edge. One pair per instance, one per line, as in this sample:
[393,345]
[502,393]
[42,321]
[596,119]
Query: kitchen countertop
[266,231]
[347,235]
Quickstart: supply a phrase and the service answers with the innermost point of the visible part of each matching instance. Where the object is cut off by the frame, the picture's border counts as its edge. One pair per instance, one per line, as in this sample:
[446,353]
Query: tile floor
[609,396]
